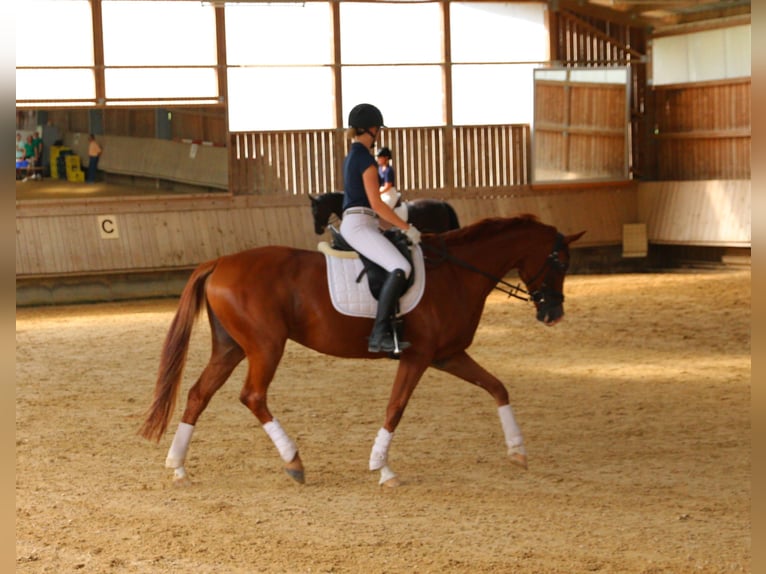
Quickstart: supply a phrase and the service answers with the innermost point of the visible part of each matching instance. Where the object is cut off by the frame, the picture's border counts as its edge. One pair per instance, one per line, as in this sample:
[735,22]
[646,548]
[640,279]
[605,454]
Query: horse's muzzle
[550,316]
[550,306]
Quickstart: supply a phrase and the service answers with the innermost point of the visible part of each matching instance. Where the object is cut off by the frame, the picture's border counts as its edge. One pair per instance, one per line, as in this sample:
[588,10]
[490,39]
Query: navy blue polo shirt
[358,160]
[386,174]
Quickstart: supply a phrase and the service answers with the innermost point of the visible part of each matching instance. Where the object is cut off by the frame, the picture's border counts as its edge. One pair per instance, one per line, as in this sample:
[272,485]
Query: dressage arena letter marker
[107,227]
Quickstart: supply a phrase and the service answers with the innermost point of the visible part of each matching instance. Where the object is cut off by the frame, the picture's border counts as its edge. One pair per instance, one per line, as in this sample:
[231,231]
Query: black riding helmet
[365,116]
[384,152]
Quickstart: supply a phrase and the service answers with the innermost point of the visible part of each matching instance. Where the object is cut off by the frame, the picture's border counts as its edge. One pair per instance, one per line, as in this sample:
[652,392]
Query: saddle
[376,275]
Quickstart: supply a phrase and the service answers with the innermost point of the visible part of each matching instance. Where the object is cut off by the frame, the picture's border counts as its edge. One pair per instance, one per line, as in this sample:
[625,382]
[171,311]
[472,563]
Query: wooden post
[449,154]
[339,135]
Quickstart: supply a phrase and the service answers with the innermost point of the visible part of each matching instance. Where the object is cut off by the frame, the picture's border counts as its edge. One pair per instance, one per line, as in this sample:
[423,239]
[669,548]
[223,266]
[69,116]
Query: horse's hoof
[388,478]
[392,482]
[295,470]
[180,478]
[182,482]
[297,475]
[518,459]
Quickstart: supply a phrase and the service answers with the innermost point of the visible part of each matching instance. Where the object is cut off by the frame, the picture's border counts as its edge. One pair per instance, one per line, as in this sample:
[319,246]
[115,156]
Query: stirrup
[399,346]
[388,345]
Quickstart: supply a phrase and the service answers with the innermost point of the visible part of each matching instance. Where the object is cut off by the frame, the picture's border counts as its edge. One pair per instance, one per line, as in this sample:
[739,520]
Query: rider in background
[387,178]
[362,207]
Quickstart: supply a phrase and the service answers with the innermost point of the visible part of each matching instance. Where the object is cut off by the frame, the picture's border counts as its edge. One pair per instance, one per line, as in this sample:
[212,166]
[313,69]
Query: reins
[500,284]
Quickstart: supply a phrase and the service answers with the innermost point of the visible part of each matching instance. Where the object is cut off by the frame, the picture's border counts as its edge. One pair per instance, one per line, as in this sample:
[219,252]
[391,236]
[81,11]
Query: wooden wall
[581,130]
[580,40]
[703,213]
[702,131]
[161,232]
[193,123]
[201,165]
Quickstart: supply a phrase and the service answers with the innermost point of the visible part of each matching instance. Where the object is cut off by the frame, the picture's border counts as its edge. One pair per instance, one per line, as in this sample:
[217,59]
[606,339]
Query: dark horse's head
[323,206]
[319,223]
[545,279]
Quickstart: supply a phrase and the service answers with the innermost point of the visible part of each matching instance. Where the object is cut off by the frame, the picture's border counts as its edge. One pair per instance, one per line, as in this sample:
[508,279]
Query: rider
[387,178]
[362,206]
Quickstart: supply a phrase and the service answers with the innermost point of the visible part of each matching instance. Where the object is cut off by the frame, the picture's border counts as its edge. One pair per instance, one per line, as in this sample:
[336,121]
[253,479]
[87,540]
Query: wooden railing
[427,158]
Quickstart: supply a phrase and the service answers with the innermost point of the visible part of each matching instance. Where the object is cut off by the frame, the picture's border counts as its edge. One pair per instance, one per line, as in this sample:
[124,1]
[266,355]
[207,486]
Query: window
[74,80]
[279,58]
[158,49]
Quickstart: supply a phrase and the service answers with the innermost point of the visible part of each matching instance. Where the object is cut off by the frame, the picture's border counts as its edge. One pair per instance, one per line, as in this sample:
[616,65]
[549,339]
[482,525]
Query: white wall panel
[702,56]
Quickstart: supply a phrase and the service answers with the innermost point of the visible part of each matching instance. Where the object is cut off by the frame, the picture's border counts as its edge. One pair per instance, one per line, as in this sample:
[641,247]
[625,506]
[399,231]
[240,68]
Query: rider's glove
[413,234]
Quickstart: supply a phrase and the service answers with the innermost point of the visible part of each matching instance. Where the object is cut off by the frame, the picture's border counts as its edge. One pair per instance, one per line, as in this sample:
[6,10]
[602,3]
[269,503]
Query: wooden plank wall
[193,123]
[711,213]
[580,130]
[201,165]
[702,131]
[59,238]
[294,162]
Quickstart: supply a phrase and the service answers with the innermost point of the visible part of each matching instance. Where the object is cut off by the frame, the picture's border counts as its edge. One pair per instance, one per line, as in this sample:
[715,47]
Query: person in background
[29,157]
[19,147]
[362,207]
[387,178]
[94,153]
[20,162]
[37,142]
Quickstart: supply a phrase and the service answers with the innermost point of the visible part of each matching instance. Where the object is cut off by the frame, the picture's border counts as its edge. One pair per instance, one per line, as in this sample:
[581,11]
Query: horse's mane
[489,227]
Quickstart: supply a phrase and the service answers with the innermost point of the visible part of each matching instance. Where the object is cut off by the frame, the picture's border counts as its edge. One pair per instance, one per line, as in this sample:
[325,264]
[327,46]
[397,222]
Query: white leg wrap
[285,445]
[379,454]
[179,447]
[511,430]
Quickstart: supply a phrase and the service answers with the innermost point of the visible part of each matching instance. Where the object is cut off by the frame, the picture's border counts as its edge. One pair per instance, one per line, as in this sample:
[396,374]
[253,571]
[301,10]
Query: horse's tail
[453,221]
[174,351]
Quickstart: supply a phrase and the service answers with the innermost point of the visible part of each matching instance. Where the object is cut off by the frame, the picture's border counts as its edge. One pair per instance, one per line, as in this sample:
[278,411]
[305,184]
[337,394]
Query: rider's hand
[413,234]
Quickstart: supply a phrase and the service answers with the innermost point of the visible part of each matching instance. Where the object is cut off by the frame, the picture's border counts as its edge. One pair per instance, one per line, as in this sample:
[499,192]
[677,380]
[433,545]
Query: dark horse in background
[258,299]
[428,215]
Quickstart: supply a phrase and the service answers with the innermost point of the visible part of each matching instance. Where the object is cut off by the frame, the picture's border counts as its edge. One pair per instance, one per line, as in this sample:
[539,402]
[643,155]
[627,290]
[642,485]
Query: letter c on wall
[107,227]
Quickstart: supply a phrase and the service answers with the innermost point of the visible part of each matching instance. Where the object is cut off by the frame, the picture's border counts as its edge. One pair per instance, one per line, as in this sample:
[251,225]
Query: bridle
[544,296]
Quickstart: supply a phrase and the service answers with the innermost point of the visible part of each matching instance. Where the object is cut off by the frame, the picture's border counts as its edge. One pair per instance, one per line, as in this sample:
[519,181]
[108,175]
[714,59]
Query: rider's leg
[362,233]
[382,338]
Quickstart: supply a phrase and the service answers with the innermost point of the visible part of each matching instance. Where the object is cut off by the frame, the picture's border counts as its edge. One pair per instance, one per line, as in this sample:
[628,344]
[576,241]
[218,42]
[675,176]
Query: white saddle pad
[355,299]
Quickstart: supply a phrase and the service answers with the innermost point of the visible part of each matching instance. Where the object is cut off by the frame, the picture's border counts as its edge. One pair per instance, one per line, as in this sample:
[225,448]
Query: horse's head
[316,214]
[545,279]
[323,206]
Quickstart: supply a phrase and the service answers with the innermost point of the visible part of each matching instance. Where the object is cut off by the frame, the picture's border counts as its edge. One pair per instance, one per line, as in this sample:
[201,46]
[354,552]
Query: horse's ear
[312,198]
[571,238]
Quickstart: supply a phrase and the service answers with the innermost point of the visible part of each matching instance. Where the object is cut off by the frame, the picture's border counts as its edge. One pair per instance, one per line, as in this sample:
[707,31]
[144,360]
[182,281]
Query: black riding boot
[382,339]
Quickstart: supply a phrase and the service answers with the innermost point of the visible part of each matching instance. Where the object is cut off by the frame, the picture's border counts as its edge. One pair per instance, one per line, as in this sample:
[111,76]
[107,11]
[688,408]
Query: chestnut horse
[258,299]
[428,215]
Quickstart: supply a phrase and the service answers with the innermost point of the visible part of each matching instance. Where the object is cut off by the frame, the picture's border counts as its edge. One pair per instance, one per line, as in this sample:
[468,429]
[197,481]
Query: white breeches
[361,231]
